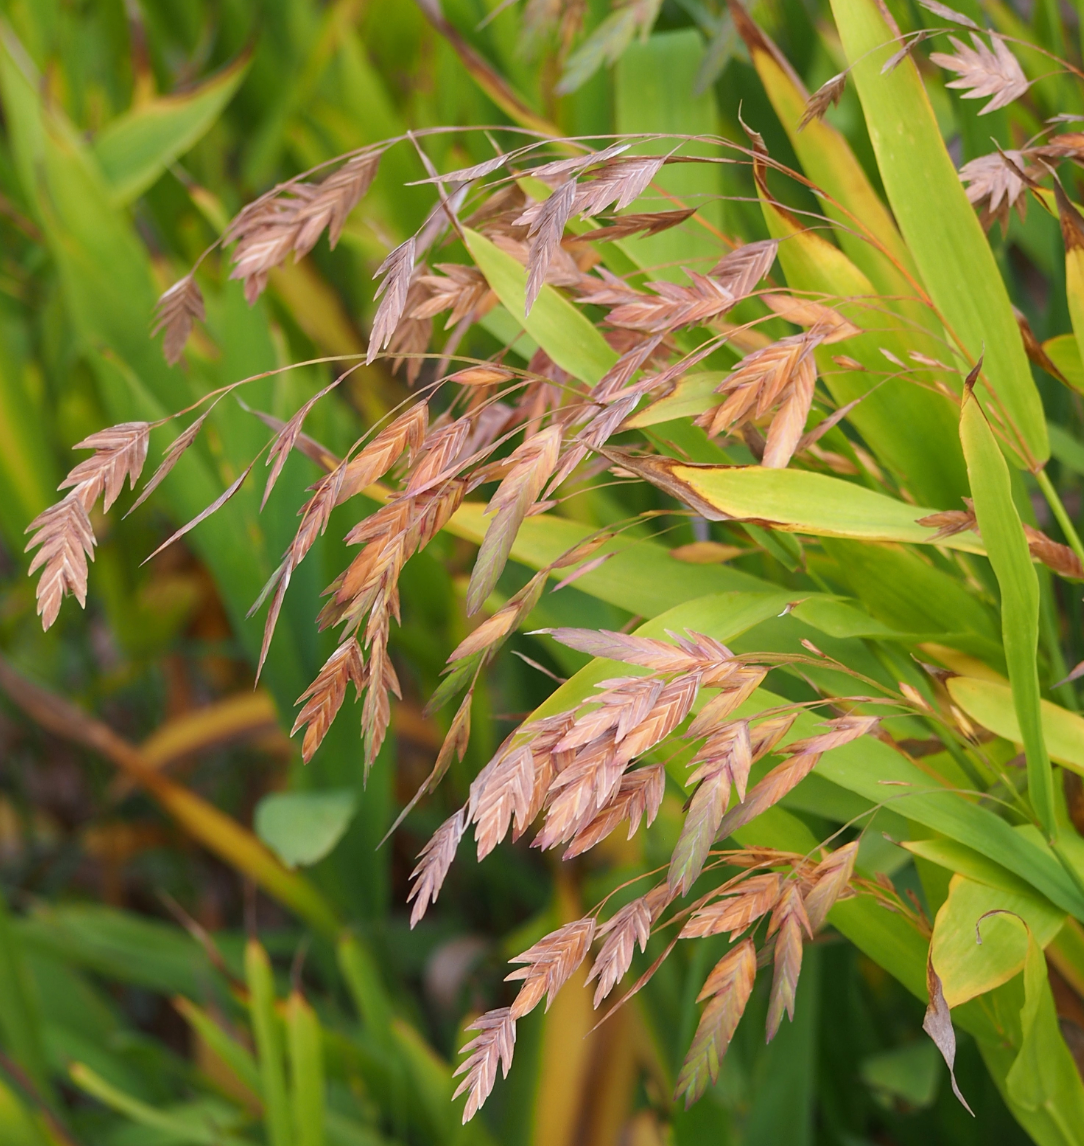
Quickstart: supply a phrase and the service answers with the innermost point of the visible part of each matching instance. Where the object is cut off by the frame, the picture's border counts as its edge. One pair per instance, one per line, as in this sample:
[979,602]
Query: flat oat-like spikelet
[788,922]
[493,1046]
[64,532]
[832,876]
[175,312]
[119,453]
[726,758]
[728,987]
[550,963]
[67,539]
[982,72]
[324,697]
[397,269]
[433,863]
[532,463]
[627,927]
[742,906]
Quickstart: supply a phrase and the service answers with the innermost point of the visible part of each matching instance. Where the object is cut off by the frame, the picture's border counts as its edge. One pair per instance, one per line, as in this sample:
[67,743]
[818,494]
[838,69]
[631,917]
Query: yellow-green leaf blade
[1007,547]
[939,225]
[562,331]
[990,704]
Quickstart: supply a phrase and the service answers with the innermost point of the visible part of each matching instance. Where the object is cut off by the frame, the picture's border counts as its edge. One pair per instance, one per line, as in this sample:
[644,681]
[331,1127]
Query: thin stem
[1064,520]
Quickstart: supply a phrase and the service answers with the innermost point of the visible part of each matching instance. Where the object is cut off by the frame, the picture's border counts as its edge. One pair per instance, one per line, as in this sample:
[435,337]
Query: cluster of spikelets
[585,771]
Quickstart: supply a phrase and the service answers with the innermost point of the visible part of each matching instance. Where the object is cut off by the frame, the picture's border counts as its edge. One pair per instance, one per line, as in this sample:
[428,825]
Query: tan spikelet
[832,876]
[626,928]
[822,99]
[788,922]
[175,312]
[67,539]
[728,987]
[982,72]
[119,453]
[549,964]
[747,902]
[434,862]
[397,269]
[638,798]
[324,697]
[493,1046]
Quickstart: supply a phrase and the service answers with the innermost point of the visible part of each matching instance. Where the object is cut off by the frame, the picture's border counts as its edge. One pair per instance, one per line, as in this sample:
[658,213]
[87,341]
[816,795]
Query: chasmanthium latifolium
[545,233]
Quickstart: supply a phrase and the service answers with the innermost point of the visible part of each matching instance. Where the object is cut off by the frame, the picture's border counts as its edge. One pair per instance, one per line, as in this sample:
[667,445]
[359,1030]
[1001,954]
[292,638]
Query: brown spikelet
[638,798]
[724,760]
[788,922]
[335,197]
[736,690]
[119,453]
[460,289]
[66,538]
[64,532]
[549,964]
[831,326]
[949,522]
[672,306]
[619,182]
[841,730]
[546,227]
[728,987]
[996,183]
[761,381]
[768,792]
[531,466]
[397,269]
[316,512]
[405,434]
[434,860]
[287,437]
[788,425]
[175,312]
[624,929]
[743,905]
[492,631]
[324,697]
[441,450]
[659,656]
[292,217]
[376,711]
[832,876]
[741,270]
[950,14]
[504,792]
[625,226]
[172,456]
[1054,555]
[982,72]
[493,1046]
[822,99]
[410,339]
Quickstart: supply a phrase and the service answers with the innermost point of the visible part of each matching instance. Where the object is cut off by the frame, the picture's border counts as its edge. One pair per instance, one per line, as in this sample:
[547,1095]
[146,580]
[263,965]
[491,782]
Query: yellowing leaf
[969,968]
[990,704]
[795,501]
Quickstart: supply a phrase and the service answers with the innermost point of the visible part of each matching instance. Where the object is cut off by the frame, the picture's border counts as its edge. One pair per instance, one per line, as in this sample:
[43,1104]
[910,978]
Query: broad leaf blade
[1007,547]
[938,223]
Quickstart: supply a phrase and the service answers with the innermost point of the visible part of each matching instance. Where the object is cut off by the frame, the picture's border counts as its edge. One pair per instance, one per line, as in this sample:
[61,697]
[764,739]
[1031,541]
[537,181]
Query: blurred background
[153,811]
